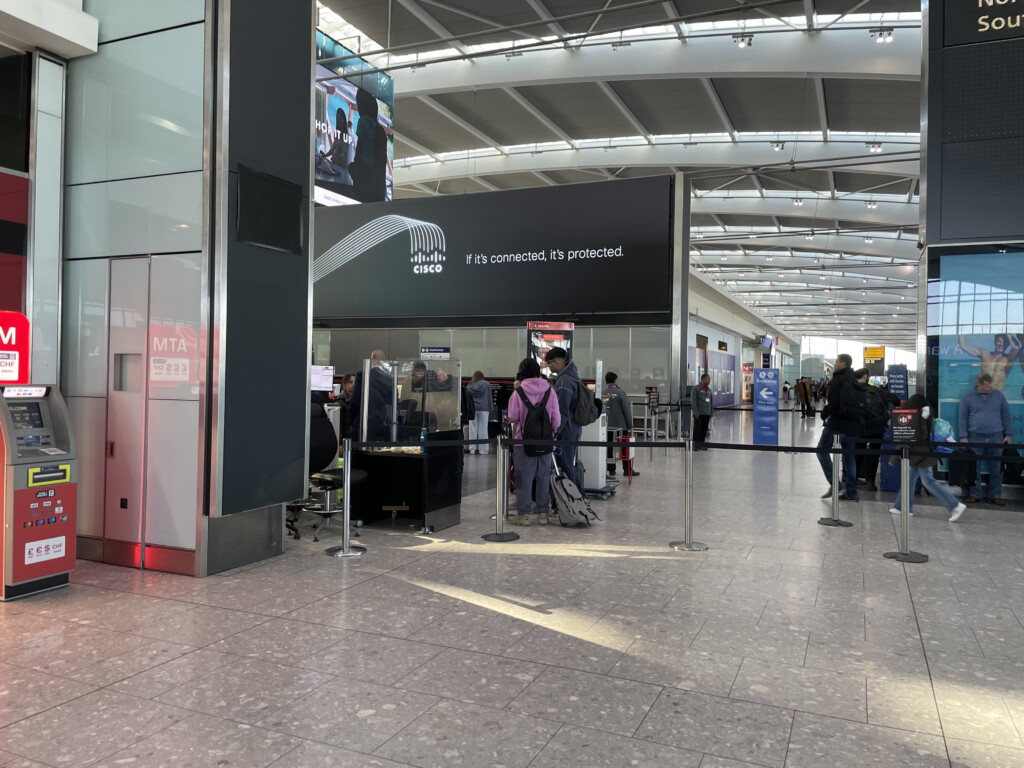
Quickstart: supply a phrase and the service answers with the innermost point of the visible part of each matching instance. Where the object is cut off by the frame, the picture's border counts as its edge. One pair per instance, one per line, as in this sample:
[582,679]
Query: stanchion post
[905,555]
[688,544]
[837,458]
[501,495]
[347,549]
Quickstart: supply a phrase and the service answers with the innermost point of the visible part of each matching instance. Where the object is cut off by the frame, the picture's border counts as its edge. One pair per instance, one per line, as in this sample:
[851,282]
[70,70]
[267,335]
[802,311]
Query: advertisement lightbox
[581,249]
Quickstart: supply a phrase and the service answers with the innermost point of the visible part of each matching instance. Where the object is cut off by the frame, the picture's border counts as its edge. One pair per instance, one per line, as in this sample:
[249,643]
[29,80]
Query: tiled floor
[786,644]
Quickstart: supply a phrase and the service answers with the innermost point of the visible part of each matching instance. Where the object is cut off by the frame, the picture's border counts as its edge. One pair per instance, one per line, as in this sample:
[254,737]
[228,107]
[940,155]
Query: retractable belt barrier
[507,444]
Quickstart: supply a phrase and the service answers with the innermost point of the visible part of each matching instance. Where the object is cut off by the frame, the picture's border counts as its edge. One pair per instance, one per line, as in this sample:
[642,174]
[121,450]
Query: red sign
[537,325]
[14,349]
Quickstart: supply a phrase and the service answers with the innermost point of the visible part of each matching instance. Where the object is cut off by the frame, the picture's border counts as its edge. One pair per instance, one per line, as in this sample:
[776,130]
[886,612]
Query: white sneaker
[958,510]
[894,511]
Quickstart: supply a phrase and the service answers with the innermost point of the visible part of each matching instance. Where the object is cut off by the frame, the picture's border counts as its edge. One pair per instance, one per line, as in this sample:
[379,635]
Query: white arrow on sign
[767,394]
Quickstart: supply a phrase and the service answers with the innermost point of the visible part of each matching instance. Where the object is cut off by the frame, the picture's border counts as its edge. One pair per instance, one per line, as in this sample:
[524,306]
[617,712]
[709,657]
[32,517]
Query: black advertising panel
[979,21]
[583,249]
[905,423]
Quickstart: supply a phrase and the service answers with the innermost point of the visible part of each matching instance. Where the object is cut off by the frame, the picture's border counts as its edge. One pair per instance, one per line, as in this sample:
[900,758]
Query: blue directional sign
[766,406]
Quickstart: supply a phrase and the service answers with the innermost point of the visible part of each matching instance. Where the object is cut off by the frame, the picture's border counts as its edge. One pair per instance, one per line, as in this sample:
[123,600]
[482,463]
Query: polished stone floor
[786,644]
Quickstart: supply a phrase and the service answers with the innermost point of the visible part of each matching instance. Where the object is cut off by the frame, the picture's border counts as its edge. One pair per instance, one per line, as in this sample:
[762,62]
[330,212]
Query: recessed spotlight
[743,41]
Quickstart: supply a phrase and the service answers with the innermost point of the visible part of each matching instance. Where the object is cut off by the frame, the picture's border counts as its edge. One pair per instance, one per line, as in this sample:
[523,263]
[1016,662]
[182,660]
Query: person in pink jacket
[530,469]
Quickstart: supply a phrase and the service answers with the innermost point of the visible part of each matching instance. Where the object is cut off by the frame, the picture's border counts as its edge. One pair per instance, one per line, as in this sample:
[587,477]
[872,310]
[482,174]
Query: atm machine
[38,486]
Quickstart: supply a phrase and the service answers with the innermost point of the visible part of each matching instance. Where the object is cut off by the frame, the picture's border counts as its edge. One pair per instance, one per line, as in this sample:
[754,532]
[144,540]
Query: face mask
[926,412]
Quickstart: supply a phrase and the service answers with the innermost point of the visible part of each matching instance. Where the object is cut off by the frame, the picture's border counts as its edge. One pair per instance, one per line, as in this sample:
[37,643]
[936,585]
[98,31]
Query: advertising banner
[766,406]
[579,249]
[14,349]
[543,336]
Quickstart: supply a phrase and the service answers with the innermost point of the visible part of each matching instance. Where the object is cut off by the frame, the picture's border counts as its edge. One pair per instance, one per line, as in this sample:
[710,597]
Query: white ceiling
[505,94]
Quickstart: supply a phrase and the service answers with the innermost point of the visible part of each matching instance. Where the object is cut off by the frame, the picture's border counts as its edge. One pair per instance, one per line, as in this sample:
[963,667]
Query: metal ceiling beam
[626,112]
[496,25]
[819,97]
[538,115]
[672,12]
[840,53]
[705,158]
[886,214]
[542,11]
[546,179]
[417,146]
[716,102]
[463,124]
[810,14]
[904,250]
[484,183]
[431,23]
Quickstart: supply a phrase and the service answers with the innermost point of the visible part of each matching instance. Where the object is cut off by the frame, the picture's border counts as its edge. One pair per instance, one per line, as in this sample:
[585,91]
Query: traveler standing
[532,463]
[922,466]
[701,403]
[873,431]
[841,421]
[479,389]
[567,387]
[803,394]
[620,416]
[985,418]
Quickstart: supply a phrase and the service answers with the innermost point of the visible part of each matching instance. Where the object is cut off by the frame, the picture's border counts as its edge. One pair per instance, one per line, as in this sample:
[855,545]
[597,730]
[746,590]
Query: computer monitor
[322,378]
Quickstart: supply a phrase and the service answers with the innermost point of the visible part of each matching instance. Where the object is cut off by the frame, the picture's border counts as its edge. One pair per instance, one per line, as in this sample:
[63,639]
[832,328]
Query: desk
[424,487]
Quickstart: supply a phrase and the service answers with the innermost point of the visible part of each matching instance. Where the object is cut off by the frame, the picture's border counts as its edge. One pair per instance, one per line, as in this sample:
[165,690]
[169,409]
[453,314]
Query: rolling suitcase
[570,504]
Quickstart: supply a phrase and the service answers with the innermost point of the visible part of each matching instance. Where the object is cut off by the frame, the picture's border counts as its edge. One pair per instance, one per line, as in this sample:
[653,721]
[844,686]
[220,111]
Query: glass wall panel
[135,108]
[120,19]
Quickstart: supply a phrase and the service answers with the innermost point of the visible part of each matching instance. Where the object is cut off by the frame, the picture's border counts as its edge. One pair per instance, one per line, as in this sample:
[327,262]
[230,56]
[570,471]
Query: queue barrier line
[506,444]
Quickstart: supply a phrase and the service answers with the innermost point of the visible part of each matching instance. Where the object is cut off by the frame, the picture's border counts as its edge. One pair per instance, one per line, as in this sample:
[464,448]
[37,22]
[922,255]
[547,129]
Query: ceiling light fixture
[743,41]
[871,204]
[809,236]
[874,147]
[869,240]
[881,34]
[778,146]
[512,54]
[797,202]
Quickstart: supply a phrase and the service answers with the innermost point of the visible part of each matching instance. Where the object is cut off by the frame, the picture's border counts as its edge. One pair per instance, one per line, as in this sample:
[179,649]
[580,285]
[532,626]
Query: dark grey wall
[265,392]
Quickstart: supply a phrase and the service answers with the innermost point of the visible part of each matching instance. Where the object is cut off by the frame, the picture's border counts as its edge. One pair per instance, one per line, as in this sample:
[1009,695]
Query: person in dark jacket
[837,421]
[803,394]
[378,399]
[620,416]
[867,464]
[567,387]
[922,466]
[701,404]
[479,389]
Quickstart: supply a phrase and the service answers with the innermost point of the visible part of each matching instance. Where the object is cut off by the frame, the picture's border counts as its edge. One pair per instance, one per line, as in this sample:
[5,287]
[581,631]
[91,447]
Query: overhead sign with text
[978,21]
[581,249]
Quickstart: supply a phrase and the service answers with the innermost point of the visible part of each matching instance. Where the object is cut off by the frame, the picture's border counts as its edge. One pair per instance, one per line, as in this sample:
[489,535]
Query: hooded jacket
[841,383]
[480,391]
[568,389]
[534,389]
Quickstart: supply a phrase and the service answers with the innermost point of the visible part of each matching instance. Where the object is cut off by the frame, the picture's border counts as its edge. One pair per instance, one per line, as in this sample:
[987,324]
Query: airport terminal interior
[273,277]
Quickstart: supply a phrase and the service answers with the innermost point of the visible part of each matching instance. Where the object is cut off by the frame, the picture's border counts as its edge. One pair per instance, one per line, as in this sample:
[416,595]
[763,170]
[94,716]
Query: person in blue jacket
[985,418]
[567,387]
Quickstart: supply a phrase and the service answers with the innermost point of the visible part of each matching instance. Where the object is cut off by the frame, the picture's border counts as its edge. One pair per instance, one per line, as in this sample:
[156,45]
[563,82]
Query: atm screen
[26,415]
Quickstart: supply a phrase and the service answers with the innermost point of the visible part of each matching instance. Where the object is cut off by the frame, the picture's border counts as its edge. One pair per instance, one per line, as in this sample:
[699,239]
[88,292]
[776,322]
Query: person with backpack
[842,416]
[923,466]
[534,409]
[876,419]
[568,387]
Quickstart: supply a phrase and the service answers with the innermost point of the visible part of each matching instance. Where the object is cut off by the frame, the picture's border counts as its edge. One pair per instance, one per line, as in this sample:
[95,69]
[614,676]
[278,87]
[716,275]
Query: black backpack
[537,424]
[876,415]
[588,408]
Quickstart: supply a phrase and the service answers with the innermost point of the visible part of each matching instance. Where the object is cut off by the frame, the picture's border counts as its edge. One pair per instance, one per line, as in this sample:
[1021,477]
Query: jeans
[995,468]
[529,469]
[478,431]
[928,480]
[849,445]
[567,455]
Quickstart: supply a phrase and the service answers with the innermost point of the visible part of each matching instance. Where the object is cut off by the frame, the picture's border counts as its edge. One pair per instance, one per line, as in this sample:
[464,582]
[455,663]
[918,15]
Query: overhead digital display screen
[582,249]
[978,21]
